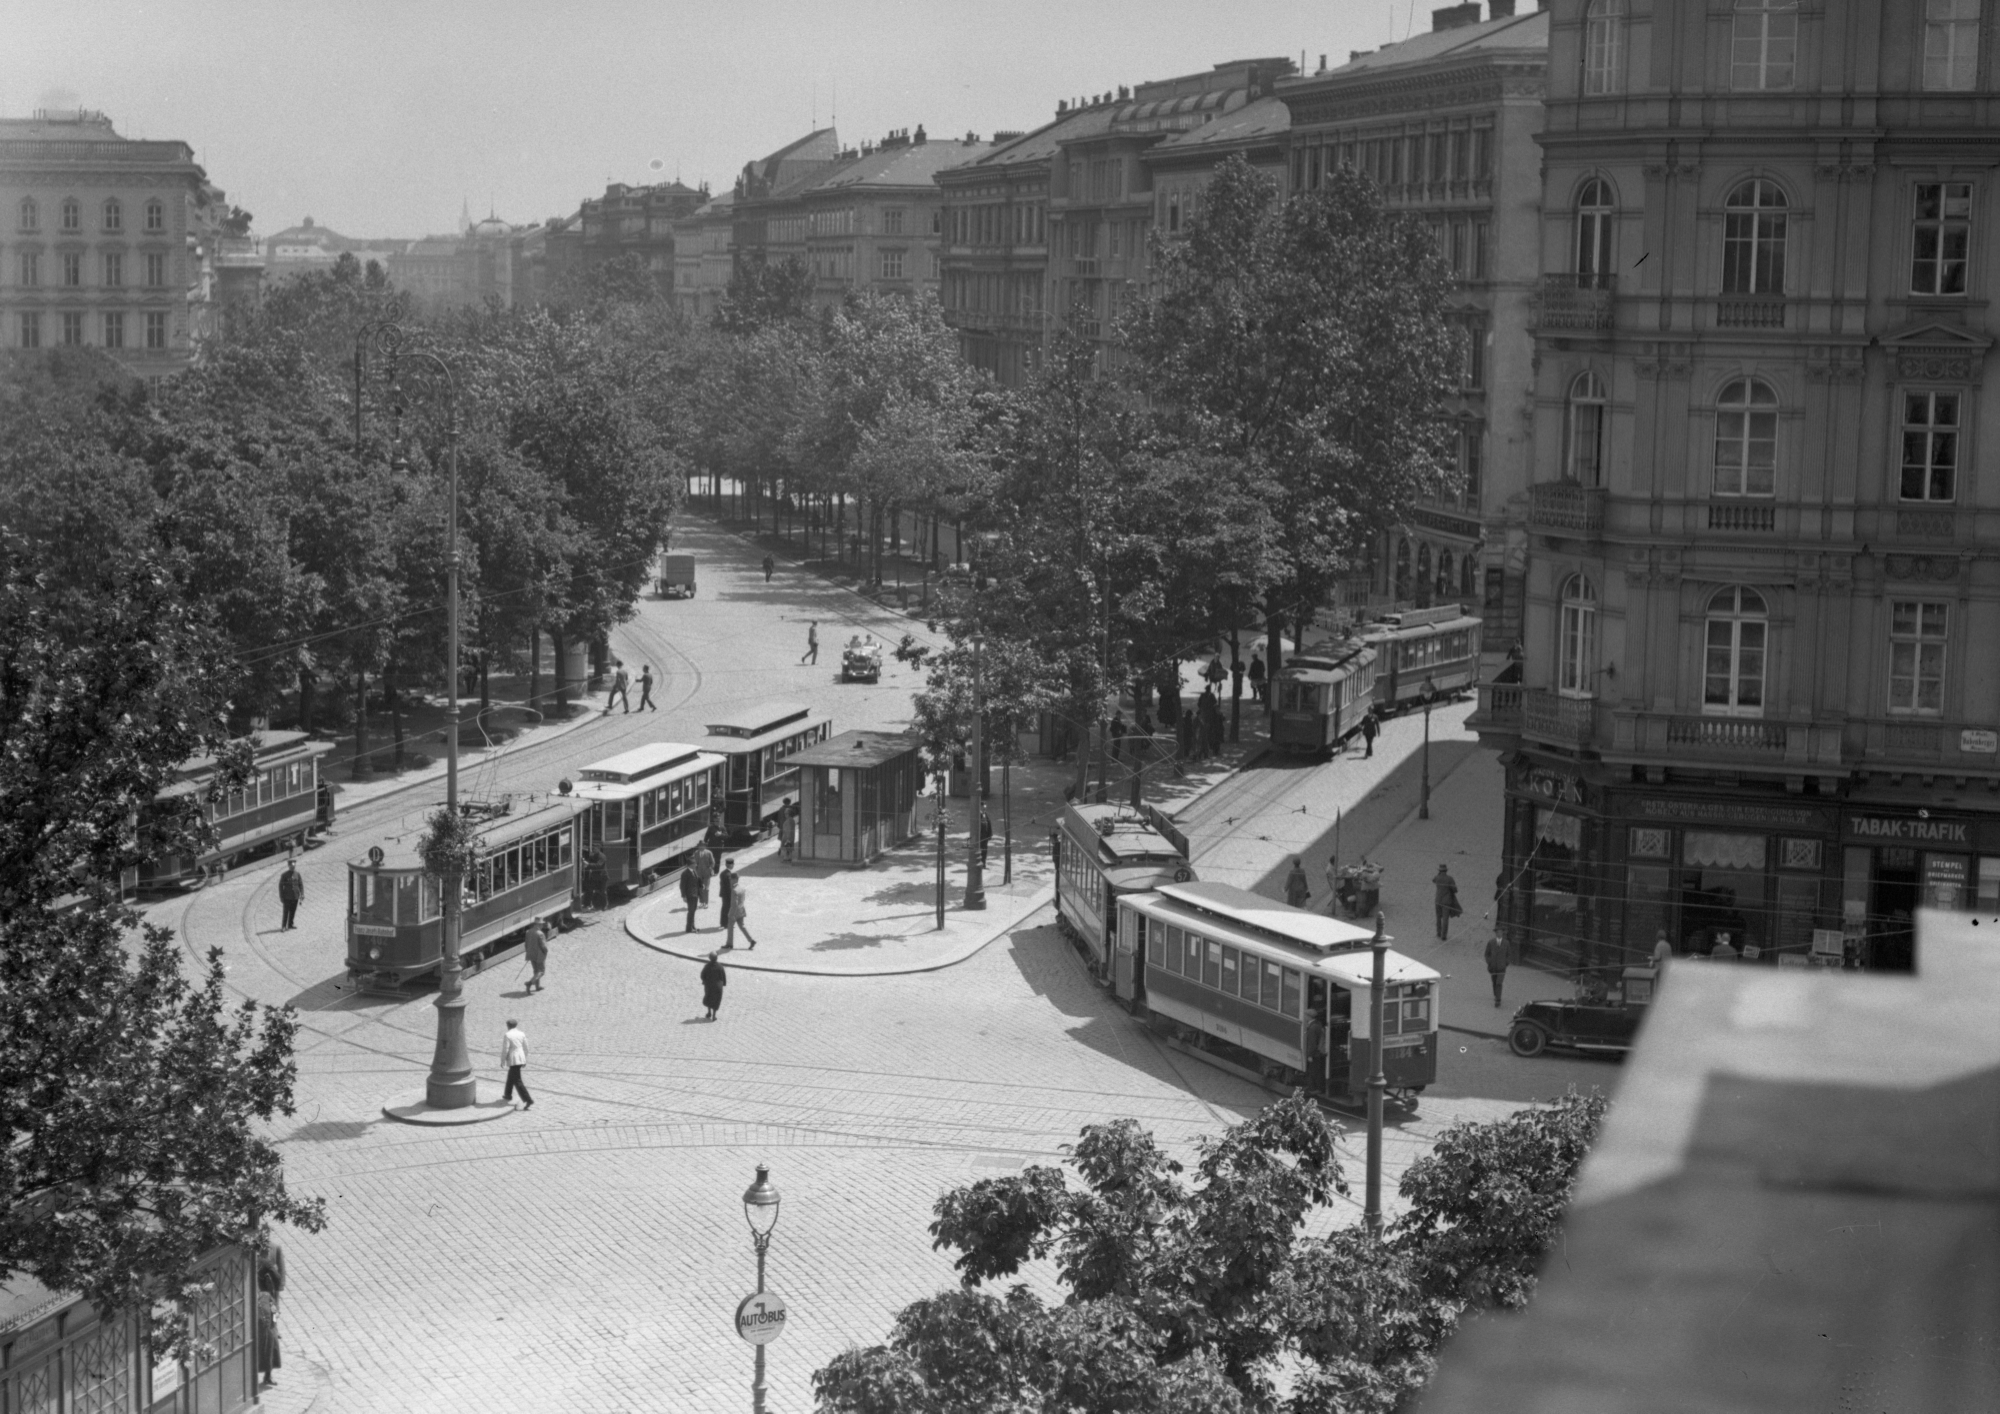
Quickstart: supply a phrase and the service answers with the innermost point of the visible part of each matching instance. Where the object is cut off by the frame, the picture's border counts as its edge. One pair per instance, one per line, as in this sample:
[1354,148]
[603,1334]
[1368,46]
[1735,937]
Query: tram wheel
[1527,1039]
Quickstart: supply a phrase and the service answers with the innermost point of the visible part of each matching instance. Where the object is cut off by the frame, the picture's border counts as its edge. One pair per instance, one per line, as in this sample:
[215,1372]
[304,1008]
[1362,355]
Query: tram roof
[763,718]
[1128,837]
[641,762]
[268,748]
[495,832]
[1240,906]
[1351,966]
[1327,667]
[1424,629]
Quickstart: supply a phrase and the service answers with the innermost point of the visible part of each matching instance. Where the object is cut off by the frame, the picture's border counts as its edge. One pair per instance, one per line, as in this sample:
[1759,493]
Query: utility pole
[1378,1081]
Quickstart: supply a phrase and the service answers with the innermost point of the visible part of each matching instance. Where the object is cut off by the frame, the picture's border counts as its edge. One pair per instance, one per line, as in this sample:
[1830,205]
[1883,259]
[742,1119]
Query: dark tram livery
[1237,977]
[278,807]
[1321,696]
[648,807]
[1102,852]
[757,743]
[529,870]
[1439,645]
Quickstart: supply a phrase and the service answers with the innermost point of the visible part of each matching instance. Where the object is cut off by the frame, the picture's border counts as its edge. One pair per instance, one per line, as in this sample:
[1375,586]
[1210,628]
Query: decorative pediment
[1932,348]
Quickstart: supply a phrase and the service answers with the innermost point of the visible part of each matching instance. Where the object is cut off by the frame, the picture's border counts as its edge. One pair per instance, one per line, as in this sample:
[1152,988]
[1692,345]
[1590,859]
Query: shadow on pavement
[337,992]
[331,1131]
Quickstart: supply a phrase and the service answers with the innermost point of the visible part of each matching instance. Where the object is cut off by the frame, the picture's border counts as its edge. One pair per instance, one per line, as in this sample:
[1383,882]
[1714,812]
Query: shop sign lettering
[1978,741]
[1558,786]
[1722,812]
[1907,830]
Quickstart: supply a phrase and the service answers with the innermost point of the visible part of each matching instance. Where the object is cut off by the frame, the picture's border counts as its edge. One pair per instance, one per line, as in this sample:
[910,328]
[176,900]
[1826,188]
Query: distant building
[876,220]
[639,221]
[309,247]
[105,241]
[703,256]
[764,230]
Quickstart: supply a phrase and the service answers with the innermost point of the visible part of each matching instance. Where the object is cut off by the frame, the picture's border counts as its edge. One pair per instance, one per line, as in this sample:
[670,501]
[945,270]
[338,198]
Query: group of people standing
[696,876]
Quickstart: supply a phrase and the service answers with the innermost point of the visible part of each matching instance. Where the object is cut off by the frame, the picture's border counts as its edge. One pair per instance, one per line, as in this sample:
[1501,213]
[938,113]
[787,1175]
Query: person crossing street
[621,686]
[1496,963]
[514,1055]
[811,655]
[646,689]
[291,890]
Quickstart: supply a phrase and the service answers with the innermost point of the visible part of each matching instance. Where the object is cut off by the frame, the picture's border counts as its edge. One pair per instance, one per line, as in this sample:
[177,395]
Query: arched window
[1593,235]
[1576,638]
[114,215]
[31,214]
[1423,576]
[72,214]
[1402,587]
[1733,654]
[1753,239]
[1604,47]
[156,216]
[1746,439]
[1763,44]
[1583,436]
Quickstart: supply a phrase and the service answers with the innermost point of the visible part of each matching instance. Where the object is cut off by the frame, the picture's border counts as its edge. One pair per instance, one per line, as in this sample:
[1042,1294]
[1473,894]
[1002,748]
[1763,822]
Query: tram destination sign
[760,1317]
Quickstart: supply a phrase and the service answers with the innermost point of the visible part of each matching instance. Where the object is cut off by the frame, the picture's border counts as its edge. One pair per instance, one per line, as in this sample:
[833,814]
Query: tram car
[756,743]
[1322,696]
[647,807]
[1103,852]
[529,870]
[278,807]
[1236,976]
[1440,645]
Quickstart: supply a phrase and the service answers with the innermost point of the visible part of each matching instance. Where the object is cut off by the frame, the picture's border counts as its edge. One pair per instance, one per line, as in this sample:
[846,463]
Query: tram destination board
[760,1317]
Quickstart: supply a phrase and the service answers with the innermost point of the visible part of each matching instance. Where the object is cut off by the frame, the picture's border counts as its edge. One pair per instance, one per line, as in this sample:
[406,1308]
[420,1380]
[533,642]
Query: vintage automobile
[1600,1021]
[861,661]
[676,576]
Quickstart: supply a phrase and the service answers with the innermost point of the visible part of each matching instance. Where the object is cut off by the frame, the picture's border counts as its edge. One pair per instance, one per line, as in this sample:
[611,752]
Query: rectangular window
[1951,45]
[1211,962]
[114,330]
[30,331]
[1273,985]
[1289,1004]
[114,270]
[1764,41]
[1604,49]
[1229,982]
[72,265]
[1941,239]
[892,221]
[1916,656]
[28,267]
[72,330]
[156,268]
[156,216]
[1733,668]
[156,330]
[1930,446]
[1190,956]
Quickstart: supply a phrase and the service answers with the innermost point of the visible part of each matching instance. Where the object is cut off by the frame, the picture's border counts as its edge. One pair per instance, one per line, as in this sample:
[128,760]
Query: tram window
[1272,984]
[562,843]
[1229,971]
[1289,997]
[1190,956]
[430,899]
[1417,1014]
[1211,963]
[1156,948]
[614,820]
[407,886]
[739,771]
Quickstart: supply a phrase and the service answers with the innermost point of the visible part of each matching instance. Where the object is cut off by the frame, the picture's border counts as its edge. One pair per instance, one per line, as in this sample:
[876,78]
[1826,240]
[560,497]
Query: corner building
[1756,703]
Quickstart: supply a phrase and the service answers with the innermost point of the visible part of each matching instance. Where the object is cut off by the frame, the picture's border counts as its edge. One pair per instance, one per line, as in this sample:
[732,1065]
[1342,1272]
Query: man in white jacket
[514,1055]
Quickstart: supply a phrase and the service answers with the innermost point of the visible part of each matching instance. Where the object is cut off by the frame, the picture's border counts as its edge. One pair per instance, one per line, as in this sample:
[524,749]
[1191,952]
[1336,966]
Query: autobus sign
[760,1317]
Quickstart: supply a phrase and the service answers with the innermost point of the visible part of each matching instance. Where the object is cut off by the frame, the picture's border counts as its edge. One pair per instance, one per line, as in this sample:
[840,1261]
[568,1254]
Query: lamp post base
[450,1084]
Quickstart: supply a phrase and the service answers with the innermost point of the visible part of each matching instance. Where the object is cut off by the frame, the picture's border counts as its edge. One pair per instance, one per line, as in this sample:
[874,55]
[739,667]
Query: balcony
[1566,508]
[1754,516]
[1551,717]
[1499,708]
[1750,312]
[1695,739]
[1576,301]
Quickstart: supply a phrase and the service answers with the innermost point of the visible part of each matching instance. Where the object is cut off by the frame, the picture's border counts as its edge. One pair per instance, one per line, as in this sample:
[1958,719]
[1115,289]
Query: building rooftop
[1794,1204]
[1044,142]
[913,164]
[1264,117]
[1513,33]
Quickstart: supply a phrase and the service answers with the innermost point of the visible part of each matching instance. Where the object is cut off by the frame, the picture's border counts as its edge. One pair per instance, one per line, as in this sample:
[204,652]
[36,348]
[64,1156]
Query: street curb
[739,957]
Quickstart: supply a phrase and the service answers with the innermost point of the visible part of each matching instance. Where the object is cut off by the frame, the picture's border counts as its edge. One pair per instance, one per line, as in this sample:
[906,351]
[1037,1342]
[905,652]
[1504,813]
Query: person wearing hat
[1445,889]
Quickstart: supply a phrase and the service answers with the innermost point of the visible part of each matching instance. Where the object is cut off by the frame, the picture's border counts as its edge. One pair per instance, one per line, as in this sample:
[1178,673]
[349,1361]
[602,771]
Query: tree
[1191,1297]
[130,1097]
[1309,336]
[762,293]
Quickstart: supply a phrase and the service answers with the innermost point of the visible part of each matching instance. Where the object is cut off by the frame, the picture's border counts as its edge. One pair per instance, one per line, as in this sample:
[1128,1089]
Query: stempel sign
[760,1317]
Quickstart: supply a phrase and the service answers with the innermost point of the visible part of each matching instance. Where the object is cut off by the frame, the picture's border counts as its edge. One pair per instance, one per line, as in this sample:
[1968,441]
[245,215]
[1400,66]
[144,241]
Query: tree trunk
[394,702]
[534,669]
[1274,626]
[1235,687]
[558,641]
[1007,816]
[1082,734]
[485,683]
[305,701]
[360,726]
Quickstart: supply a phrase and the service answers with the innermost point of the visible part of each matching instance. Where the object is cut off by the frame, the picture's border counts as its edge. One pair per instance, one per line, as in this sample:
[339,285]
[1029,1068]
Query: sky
[382,117]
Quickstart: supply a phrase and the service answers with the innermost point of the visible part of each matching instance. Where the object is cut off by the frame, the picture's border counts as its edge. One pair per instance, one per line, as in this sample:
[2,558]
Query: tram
[1103,852]
[1237,976]
[756,743]
[647,807]
[529,870]
[278,806]
[1439,645]
[1322,696]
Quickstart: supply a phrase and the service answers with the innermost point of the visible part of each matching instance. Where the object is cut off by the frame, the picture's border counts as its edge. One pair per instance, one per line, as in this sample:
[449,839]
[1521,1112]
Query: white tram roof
[638,766]
[1349,966]
[1293,925]
[1120,834]
[765,717]
[1406,626]
[1327,666]
[495,832]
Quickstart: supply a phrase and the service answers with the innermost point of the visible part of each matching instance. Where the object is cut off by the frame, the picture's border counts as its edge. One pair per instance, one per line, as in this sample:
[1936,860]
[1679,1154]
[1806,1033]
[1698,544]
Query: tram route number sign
[760,1317]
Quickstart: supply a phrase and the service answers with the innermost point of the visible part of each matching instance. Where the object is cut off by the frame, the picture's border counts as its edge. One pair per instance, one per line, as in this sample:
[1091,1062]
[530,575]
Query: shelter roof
[857,749]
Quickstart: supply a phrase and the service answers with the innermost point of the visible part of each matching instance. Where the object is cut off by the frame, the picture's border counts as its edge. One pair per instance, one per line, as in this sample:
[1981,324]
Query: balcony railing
[1549,716]
[1736,735]
[1499,707]
[1750,312]
[1742,515]
[1576,301]
[1696,739]
[1566,507]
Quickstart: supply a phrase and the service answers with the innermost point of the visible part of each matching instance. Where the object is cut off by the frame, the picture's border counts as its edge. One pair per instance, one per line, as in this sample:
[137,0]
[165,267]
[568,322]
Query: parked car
[676,578]
[1599,1021]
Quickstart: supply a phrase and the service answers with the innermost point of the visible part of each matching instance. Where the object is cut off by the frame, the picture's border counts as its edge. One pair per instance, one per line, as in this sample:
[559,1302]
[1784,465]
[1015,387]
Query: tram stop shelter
[857,796]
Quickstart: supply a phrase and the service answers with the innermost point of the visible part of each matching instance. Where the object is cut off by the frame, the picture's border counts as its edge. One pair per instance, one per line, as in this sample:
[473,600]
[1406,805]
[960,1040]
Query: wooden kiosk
[857,796]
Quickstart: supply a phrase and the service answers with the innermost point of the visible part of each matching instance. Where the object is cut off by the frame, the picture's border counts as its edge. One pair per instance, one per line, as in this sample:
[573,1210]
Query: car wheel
[1527,1039]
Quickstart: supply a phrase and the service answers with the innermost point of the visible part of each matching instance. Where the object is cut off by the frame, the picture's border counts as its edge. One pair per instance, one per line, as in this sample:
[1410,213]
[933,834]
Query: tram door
[1128,958]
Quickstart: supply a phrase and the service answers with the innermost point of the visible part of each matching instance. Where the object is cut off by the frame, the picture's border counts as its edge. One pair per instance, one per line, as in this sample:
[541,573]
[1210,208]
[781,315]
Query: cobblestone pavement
[586,1255]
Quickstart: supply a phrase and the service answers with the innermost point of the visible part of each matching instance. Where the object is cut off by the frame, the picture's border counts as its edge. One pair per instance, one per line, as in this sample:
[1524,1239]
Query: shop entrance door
[1892,909]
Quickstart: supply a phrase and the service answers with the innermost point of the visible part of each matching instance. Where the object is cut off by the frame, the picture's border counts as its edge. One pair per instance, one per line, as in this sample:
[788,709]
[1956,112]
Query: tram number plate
[1401,1043]
[371,930]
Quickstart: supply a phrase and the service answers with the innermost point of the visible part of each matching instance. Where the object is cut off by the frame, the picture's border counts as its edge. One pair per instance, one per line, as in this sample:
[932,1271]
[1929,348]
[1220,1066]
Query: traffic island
[412,1107]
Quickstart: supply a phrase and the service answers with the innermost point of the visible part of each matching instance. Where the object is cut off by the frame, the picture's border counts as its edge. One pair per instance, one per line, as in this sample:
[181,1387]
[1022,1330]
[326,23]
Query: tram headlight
[375,952]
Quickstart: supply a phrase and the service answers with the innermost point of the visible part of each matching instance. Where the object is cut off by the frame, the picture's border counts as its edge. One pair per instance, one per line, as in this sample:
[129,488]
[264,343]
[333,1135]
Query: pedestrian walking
[326,805]
[646,689]
[714,977]
[985,834]
[769,565]
[535,945]
[1258,685]
[596,879]
[1215,673]
[690,895]
[514,1055]
[1209,716]
[788,830]
[735,912]
[811,655]
[1370,729]
[726,887]
[1445,897]
[620,688]
[703,864]
[1333,885]
[1297,891]
[270,1294]
[1496,963]
[291,889]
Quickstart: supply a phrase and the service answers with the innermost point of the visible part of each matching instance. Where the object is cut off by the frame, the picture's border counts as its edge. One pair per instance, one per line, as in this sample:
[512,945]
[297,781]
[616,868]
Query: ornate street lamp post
[1430,696]
[1378,1082]
[760,1207]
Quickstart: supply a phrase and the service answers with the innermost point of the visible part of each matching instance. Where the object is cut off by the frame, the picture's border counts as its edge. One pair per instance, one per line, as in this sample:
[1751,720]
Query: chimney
[1500,9]
[1322,63]
[1452,16]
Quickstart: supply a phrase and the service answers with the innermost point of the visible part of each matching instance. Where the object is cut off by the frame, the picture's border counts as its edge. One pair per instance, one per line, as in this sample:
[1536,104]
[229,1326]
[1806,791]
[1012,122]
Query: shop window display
[1724,900]
[1555,919]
